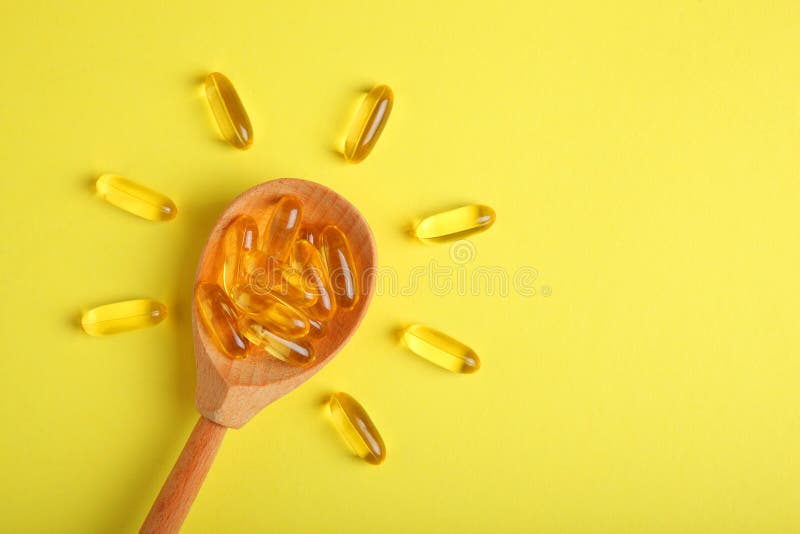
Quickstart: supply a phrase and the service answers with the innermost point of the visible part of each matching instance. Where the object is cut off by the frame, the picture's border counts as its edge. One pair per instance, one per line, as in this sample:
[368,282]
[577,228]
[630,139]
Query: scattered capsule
[293,351]
[307,260]
[441,349]
[241,238]
[356,428]
[220,317]
[270,311]
[283,228]
[341,268]
[232,119]
[135,198]
[123,316]
[456,223]
[368,123]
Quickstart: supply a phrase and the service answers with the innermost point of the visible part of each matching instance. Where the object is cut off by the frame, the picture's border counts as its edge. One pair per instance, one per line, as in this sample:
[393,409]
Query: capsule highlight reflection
[368,123]
[220,317]
[338,258]
[356,428]
[456,223]
[135,198]
[293,351]
[229,112]
[441,349]
[123,317]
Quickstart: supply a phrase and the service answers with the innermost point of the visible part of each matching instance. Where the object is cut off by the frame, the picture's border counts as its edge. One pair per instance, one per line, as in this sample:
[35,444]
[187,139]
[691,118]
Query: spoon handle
[183,483]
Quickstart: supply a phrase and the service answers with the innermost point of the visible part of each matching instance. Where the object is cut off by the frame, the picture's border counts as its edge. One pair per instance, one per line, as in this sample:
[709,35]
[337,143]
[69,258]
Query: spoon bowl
[229,391]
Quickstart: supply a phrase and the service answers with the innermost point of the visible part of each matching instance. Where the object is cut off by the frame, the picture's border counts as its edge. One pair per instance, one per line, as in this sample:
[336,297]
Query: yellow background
[641,156]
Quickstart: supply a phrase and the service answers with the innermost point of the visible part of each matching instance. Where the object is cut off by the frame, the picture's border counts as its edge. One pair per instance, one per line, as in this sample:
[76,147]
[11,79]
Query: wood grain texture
[230,392]
[179,491]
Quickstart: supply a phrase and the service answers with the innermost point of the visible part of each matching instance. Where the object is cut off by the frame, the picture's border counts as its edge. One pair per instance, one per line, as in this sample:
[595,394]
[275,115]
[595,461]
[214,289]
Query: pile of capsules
[275,296]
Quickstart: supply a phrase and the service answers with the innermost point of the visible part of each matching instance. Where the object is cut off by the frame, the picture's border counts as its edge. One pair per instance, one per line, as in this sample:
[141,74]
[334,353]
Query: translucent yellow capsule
[308,233]
[135,198]
[266,274]
[241,238]
[270,311]
[316,329]
[293,351]
[283,228]
[356,428]
[456,223]
[441,349]
[123,316]
[368,123]
[307,260]
[341,268]
[232,119]
[220,317]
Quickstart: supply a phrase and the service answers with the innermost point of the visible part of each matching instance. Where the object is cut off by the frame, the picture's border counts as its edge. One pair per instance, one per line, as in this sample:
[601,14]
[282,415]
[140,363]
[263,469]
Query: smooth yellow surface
[643,157]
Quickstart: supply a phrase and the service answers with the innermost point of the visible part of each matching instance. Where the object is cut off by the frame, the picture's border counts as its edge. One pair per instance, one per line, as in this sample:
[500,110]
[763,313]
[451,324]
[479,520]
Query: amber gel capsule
[456,223]
[220,317]
[241,237]
[232,119]
[368,123]
[441,349]
[293,351]
[266,274]
[341,268]
[270,311]
[283,227]
[123,316]
[135,198]
[306,260]
[356,428]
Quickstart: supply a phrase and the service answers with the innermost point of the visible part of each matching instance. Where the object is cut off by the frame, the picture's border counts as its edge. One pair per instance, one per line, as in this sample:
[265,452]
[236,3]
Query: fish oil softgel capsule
[241,238]
[220,317]
[356,428]
[441,349]
[307,260]
[232,119]
[368,123]
[135,198]
[341,268]
[123,316]
[456,223]
[270,310]
[283,227]
[293,351]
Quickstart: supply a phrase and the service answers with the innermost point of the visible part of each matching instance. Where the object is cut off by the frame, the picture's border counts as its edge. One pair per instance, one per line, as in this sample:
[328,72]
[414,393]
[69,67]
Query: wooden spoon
[230,392]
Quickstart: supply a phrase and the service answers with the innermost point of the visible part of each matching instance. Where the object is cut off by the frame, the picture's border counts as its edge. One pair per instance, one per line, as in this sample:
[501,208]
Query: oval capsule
[228,110]
[135,198]
[241,238]
[368,123]
[123,317]
[441,349]
[338,258]
[270,311]
[296,352]
[266,274]
[283,227]
[356,428]
[306,260]
[456,223]
[220,317]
